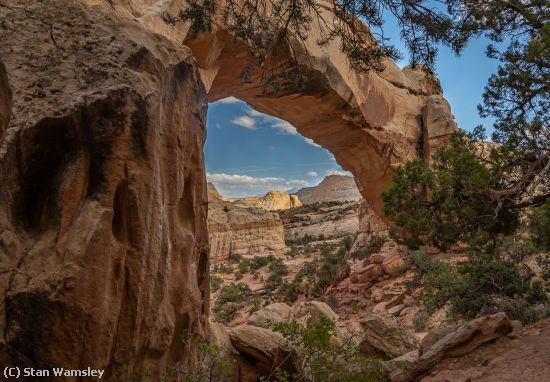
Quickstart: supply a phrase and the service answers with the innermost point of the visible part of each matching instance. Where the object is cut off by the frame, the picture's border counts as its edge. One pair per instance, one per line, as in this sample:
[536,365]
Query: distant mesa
[333,187]
[272,201]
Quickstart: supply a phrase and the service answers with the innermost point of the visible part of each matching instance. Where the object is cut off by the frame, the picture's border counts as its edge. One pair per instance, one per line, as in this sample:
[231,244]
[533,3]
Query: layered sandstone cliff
[103,240]
[333,187]
[236,230]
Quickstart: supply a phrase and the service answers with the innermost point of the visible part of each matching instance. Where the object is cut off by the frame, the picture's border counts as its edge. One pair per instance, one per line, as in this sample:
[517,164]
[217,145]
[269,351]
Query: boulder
[368,273]
[397,300]
[262,348]
[396,310]
[377,258]
[459,342]
[392,263]
[383,335]
[273,313]
[312,311]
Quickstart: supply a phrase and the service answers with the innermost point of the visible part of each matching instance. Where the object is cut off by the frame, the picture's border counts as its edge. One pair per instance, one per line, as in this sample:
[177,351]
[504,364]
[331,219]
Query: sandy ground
[522,359]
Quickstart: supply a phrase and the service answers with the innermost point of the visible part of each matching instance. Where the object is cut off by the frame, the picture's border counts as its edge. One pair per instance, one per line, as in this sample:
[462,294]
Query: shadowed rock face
[103,240]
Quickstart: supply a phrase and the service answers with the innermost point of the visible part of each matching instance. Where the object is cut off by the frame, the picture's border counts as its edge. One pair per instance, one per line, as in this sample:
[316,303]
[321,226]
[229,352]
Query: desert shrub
[539,225]
[543,261]
[289,292]
[231,299]
[224,268]
[521,309]
[308,270]
[213,365]
[277,266]
[374,245]
[332,267]
[420,320]
[258,262]
[292,252]
[321,359]
[347,242]
[307,239]
[471,287]
[215,283]
[517,247]
[273,281]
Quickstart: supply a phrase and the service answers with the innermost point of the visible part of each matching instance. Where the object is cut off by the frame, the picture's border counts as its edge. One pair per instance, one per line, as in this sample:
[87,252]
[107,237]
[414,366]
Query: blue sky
[249,153]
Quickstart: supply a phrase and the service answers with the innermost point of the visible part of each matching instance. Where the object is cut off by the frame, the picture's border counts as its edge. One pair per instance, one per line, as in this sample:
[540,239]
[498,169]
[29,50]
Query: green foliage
[321,358]
[539,225]
[449,202]
[225,209]
[472,286]
[214,364]
[223,268]
[347,243]
[258,262]
[374,245]
[331,269]
[215,283]
[231,299]
[278,267]
[543,261]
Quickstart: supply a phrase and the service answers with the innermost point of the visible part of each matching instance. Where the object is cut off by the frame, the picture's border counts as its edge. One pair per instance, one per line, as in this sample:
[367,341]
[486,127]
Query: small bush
[347,243]
[420,321]
[215,283]
[543,261]
[231,299]
[325,360]
[278,267]
[258,262]
[374,245]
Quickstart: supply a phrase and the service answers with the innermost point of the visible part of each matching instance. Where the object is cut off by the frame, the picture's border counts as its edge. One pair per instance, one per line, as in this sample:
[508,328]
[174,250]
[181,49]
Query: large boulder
[366,273]
[261,350]
[459,342]
[271,314]
[383,335]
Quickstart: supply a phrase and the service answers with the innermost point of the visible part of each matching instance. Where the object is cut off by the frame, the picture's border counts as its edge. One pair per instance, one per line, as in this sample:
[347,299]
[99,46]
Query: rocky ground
[367,289]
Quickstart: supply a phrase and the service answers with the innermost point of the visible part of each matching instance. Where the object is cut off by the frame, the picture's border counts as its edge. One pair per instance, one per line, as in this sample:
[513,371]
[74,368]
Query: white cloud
[284,128]
[228,100]
[312,174]
[338,172]
[235,185]
[245,122]
[310,142]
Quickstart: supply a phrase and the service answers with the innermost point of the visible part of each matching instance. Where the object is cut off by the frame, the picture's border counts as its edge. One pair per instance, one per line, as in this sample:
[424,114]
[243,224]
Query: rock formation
[315,220]
[273,201]
[235,229]
[103,240]
[333,187]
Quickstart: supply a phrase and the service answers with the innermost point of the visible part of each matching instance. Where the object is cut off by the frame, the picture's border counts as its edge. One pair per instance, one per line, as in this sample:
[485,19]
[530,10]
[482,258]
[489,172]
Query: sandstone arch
[92,277]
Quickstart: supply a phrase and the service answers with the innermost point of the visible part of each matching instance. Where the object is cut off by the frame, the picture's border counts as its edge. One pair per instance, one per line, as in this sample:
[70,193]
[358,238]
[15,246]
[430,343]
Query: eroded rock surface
[103,240]
[236,230]
[333,187]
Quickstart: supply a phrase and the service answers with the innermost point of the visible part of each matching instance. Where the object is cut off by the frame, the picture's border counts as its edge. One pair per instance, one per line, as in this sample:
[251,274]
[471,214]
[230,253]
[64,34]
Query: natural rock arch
[370,122]
[110,268]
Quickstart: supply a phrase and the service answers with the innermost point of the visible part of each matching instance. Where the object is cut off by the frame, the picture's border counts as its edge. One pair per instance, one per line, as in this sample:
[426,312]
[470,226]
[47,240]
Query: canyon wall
[103,239]
[235,229]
